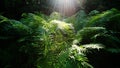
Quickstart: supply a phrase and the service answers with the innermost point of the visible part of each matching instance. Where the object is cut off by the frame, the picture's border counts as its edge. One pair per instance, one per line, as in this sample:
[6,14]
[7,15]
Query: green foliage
[114,22]
[28,35]
[78,53]
[40,14]
[2,19]
[79,20]
[107,19]
[46,42]
[94,12]
[30,18]
[101,19]
[73,57]
[100,29]
[86,34]
[108,40]
[55,16]
[63,27]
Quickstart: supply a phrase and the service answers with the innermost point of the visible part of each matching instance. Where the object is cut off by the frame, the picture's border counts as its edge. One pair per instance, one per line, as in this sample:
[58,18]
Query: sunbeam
[66,7]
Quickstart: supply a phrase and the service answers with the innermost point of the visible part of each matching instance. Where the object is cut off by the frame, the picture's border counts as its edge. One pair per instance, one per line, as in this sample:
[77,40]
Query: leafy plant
[79,20]
[75,56]
[85,35]
[101,19]
[50,42]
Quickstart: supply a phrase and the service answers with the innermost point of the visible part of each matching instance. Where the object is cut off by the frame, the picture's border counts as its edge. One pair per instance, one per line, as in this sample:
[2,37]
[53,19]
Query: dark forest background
[14,8]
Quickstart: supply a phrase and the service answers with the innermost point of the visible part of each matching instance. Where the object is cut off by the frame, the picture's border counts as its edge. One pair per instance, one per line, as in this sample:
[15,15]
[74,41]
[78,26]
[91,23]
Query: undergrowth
[40,41]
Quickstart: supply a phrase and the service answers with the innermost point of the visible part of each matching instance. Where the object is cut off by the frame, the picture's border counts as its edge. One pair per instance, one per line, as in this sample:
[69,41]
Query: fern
[55,16]
[100,19]
[79,53]
[46,42]
[85,35]
[93,46]
[2,19]
[79,20]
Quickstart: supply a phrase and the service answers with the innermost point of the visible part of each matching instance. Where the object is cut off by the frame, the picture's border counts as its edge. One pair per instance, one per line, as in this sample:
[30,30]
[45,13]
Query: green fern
[78,53]
[85,35]
[100,19]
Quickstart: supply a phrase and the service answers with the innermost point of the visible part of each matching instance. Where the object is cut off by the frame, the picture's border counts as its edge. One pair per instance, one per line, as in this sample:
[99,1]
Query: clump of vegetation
[98,30]
[40,41]
[86,34]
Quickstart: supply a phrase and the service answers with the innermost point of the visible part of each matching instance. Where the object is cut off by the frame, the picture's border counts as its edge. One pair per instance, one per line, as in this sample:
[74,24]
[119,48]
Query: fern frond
[93,46]
[2,19]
